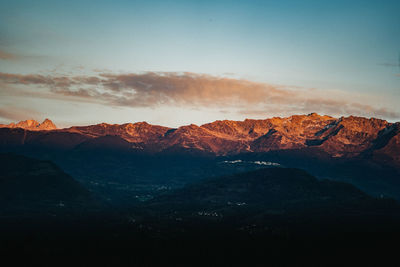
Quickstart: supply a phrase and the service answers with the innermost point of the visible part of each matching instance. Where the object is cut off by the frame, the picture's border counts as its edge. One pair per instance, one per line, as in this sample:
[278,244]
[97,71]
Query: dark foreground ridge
[31,187]
[273,216]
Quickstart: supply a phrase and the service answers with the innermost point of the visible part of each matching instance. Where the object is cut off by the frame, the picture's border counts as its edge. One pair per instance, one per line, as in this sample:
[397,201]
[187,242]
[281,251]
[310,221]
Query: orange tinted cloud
[6,56]
[197,90]
[188,88]
[10,113]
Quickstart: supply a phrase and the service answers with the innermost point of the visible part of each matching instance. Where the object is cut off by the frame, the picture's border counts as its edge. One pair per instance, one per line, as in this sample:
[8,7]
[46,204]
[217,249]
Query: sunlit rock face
[344,137]
[32,125]
[386,148]
[47,125]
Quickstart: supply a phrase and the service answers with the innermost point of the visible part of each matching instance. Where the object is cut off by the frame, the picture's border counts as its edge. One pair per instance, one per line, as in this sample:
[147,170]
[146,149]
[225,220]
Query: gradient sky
[181,62]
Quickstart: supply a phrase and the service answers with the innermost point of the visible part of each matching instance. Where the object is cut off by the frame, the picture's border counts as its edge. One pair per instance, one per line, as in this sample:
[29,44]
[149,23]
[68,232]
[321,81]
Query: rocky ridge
[32,125]
[339,137]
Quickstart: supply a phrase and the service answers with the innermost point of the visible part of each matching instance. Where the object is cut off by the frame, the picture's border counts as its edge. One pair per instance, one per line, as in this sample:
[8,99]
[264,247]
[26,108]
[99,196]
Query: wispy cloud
[389,64]
[326,106]
[6,56]
[11,113]
[153,89]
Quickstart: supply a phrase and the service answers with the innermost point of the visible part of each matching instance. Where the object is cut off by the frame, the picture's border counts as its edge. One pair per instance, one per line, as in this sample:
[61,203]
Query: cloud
[21,57]
[152,89]
[6,56]
[325,106]
[29,79]
[16,114]
[389,64]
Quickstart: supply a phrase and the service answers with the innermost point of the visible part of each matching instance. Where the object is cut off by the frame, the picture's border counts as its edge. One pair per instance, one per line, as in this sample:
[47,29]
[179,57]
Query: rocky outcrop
[32,125]
[344,137]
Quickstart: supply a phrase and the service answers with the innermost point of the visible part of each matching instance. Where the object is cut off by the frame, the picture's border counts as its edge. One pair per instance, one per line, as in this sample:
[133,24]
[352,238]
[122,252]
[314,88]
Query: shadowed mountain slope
[269,191]
[35,185]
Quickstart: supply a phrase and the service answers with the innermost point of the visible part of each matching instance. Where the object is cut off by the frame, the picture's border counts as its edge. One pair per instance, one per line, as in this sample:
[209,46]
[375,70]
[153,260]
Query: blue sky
[334,50]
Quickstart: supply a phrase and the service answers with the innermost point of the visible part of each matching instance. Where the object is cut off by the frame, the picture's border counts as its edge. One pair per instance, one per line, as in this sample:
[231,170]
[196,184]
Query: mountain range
[283,185]
[346,137]
[32,125]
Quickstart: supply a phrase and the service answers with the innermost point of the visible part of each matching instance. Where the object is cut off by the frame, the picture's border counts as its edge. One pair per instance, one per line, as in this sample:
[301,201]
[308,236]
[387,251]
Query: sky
[179,62]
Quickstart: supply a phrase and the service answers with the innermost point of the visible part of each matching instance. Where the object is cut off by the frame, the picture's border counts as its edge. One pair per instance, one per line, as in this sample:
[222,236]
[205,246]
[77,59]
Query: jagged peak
[47,124]
[316,115]
[28,123]
[104,124]
[358,123]
[142,124]
[47,120]
[32,125]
